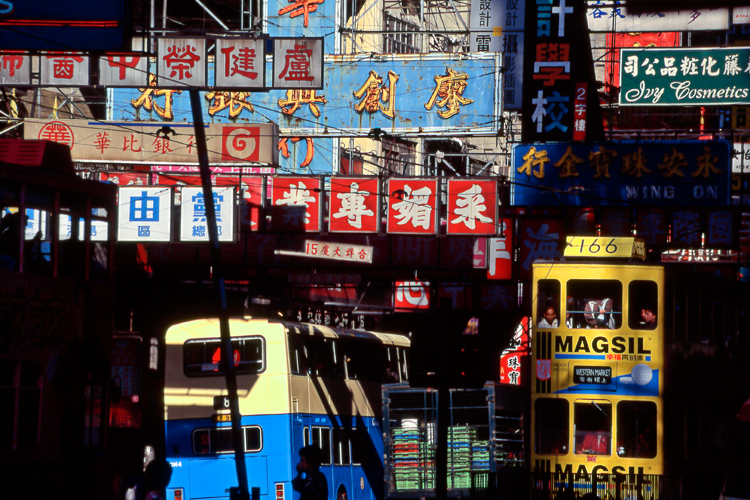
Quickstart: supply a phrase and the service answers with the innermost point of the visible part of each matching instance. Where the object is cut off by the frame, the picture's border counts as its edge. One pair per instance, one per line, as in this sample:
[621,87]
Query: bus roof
[209,328]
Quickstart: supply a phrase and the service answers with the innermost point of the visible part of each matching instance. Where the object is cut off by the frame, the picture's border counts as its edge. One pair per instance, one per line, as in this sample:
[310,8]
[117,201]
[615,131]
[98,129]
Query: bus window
[305,436]
[219,440]
[321,437]
[592,421]
[636,429]
[360,443]
[341,454]
[203,356]
[595,303]
[642,305]
[551,426]
[297,354]
[548,303]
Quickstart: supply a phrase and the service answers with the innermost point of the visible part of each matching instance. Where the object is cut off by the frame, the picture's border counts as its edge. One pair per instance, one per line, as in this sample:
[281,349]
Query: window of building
[594,304]
[20,403]
[551,426]
[636,429]
[643,303]
[592,421]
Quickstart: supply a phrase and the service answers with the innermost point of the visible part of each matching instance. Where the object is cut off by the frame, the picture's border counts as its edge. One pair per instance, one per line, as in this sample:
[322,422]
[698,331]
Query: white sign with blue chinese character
[193,224]
[144,214]
[98,228]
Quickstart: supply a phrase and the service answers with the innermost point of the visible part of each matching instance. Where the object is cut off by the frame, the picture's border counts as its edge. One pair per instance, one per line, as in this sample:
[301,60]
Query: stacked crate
[459,456]
[412,459]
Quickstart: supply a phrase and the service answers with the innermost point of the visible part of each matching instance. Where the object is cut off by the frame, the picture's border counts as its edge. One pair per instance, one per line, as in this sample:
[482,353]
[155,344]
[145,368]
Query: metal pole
[217,272]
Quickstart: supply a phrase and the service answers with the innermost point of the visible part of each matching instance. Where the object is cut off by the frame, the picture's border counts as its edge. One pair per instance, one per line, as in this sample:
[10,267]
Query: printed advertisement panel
[664,173]
[193,223]
[144,214]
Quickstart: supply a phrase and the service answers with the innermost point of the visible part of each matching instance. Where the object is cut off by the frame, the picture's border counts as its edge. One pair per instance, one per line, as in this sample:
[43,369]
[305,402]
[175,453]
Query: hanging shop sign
[607,16]
[354,205]
[296,204]
[686,77]
[193,221]
[144,214]
[472,206]
[664,173]
[412,206]
[153,143]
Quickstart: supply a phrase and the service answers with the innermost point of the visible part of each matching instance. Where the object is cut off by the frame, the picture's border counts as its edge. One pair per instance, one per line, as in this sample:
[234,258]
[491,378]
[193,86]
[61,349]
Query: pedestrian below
[310,482]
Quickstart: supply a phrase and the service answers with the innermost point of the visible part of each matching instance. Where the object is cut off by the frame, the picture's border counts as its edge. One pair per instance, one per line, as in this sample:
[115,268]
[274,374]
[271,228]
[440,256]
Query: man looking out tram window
[648,319]
[549,319]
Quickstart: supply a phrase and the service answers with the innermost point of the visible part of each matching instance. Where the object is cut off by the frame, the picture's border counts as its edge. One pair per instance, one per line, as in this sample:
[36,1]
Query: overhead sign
[412,206]
[354,205]
[63,24]
[144,214]
[608,16]
[152,143]
[686,77]
[64,70]
[397,93]
[298,63]
[345,252]
[472,207]
[593,247]
[663,173]
[193,222]
[123,70]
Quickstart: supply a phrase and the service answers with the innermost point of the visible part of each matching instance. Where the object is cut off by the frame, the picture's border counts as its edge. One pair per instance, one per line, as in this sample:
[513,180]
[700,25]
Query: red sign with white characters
[411,295]
[296,204]
[499,252]
[412,206]
[354,205]
[472,206]
[181,62]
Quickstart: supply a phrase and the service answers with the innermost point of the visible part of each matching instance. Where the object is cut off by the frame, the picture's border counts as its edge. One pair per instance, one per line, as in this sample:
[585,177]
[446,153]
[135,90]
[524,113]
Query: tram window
[642,305]
[203,356]
[548,303]
[551,426]
[636,429]
[219,440]
[594,304]
[321,437]
[592,421]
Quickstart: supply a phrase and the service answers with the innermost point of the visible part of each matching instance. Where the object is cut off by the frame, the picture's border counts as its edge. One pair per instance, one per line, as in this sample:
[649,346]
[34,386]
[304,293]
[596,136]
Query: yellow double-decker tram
[598,384]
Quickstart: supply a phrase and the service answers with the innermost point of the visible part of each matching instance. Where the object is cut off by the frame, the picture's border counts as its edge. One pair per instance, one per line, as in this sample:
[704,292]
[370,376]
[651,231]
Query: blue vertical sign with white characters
[144,214]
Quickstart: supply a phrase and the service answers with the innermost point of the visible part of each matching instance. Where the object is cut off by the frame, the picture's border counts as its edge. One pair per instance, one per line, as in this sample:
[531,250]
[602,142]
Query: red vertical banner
[500,252]
[472,206]
[251,202]
[579,112]
[354,205]
[296,204]
[412,206]
[517,353]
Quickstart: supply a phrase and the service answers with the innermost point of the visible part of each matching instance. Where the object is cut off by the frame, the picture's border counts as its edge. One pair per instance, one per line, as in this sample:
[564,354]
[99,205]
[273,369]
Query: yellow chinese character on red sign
[449,89]
[373,91]
[296,98]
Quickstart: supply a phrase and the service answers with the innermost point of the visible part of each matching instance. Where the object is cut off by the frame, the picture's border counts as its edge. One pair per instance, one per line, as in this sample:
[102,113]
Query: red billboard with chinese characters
[412,206]
[296,204]
[354,205]
[411,295]
[472,206]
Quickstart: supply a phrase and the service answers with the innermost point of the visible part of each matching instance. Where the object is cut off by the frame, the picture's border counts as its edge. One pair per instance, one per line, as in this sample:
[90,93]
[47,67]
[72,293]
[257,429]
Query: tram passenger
[598,313]
[549,319]
[649,319]
[595,443]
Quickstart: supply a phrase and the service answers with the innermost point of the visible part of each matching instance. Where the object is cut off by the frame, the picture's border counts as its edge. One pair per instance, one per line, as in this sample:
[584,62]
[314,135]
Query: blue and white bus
[298,384]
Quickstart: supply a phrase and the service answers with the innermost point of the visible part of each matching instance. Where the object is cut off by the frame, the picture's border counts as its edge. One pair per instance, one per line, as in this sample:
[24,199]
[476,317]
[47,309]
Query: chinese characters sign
[688,77]
[140,143]
[667,173]
[472,206]
[354,205]
[123,70]
[15,69]
[338,251]
[181,62]
[296,204]
[144,214]
[412,206]
[193,225]
[608,16]
[298,63]
[64,70]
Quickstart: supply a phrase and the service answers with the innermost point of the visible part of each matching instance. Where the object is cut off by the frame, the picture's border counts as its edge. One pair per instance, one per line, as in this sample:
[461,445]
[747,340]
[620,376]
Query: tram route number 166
[605,247]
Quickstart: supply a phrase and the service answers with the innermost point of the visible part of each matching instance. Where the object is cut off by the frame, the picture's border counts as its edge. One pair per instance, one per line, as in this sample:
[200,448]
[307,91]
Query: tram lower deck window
[636,429]
[592,420]
[594,304]
[551,426]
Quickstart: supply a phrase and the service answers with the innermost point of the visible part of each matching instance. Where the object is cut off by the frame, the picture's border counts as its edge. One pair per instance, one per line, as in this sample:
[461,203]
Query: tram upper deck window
[551,426]
[592,420]
[203,356]
[636,429]
[594,304]
[643,303]
[548,303]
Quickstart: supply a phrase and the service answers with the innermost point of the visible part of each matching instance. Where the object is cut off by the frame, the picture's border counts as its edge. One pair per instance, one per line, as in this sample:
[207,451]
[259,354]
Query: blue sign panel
[664,173]
[304,18]
[62,24]
[397,94]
